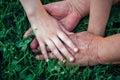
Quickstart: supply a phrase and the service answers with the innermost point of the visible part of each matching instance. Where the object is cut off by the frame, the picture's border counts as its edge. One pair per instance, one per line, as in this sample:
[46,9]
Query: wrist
[109,51]
[101,58]
[34,10]
[104,52]
[38,16]
[95,48]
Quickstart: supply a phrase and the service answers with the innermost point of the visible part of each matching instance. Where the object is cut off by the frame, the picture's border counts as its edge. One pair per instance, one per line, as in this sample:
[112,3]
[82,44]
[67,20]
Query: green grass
[18,62]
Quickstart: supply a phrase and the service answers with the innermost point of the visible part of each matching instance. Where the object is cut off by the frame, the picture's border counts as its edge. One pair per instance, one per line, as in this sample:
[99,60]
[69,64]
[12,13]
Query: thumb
[66,31]
[28,32]
[57,9]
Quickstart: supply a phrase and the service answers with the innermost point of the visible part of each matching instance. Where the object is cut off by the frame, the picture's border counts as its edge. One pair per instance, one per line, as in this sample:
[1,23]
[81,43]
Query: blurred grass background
[17,62]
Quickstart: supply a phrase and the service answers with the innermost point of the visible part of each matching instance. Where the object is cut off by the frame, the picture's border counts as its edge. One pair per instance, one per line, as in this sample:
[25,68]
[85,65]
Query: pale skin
[48,31]
[101,28]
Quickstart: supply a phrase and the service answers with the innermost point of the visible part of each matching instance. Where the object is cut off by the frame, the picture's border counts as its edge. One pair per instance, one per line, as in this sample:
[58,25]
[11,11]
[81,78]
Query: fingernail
[47,60]
[76,49]
[37,57]
[63,60]
[71,59]
[24,36]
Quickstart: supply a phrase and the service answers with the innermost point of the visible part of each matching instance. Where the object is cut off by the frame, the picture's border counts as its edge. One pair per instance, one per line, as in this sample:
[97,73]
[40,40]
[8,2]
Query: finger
[29,31]
[38,50]
[54,50]
[66,31]
[70,51]
[43,50]
[35,51]
[67,41]
[34,44]
[50,55]
[62,48]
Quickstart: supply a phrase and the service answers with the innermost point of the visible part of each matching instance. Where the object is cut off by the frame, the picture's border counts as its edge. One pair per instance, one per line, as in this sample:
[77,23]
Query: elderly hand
[94,49]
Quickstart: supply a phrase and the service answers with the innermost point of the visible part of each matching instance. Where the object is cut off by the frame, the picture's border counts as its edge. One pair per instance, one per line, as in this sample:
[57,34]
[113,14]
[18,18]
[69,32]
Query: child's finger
[62,49]
[43,50]
[50,55]
[67,41]
[66,31]
[54,50]
[29,31]
[37,50]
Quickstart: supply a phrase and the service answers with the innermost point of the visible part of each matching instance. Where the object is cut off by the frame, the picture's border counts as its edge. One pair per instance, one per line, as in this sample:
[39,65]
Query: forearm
[99,14]
[109,50]
[34,9]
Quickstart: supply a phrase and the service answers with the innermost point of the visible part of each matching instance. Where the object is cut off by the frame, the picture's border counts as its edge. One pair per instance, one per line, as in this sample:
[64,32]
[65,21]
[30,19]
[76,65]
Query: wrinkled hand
[88,45]
[66,14]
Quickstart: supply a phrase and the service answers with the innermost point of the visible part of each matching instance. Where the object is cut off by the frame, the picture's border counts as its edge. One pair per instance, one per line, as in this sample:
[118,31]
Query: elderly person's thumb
[57,9]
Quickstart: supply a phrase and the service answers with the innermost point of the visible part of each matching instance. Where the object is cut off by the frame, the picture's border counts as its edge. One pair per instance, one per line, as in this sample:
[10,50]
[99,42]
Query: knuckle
[60,46]
[63,50]
[64,37]
[55,51]
[53,38]
[52,33]
[69,42]
[67,38]
[59,32]
[52,48]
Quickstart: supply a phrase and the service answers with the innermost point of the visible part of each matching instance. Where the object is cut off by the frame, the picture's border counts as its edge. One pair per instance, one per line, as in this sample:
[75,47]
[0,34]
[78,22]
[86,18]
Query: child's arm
[47,30]
[99,14]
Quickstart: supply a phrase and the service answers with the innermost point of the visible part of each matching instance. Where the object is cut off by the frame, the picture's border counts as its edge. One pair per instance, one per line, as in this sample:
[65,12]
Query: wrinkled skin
[66,13]
[88,44]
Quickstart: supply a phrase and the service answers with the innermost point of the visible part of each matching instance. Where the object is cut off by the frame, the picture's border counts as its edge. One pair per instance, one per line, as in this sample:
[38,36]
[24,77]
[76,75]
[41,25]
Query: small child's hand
[48,31]
[53,35]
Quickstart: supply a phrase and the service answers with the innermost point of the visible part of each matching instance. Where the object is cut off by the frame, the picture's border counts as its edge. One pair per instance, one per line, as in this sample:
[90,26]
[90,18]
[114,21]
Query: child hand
[51,34]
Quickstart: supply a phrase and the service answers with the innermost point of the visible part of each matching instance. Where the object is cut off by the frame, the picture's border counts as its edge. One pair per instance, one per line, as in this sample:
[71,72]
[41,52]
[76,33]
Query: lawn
[17,62]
